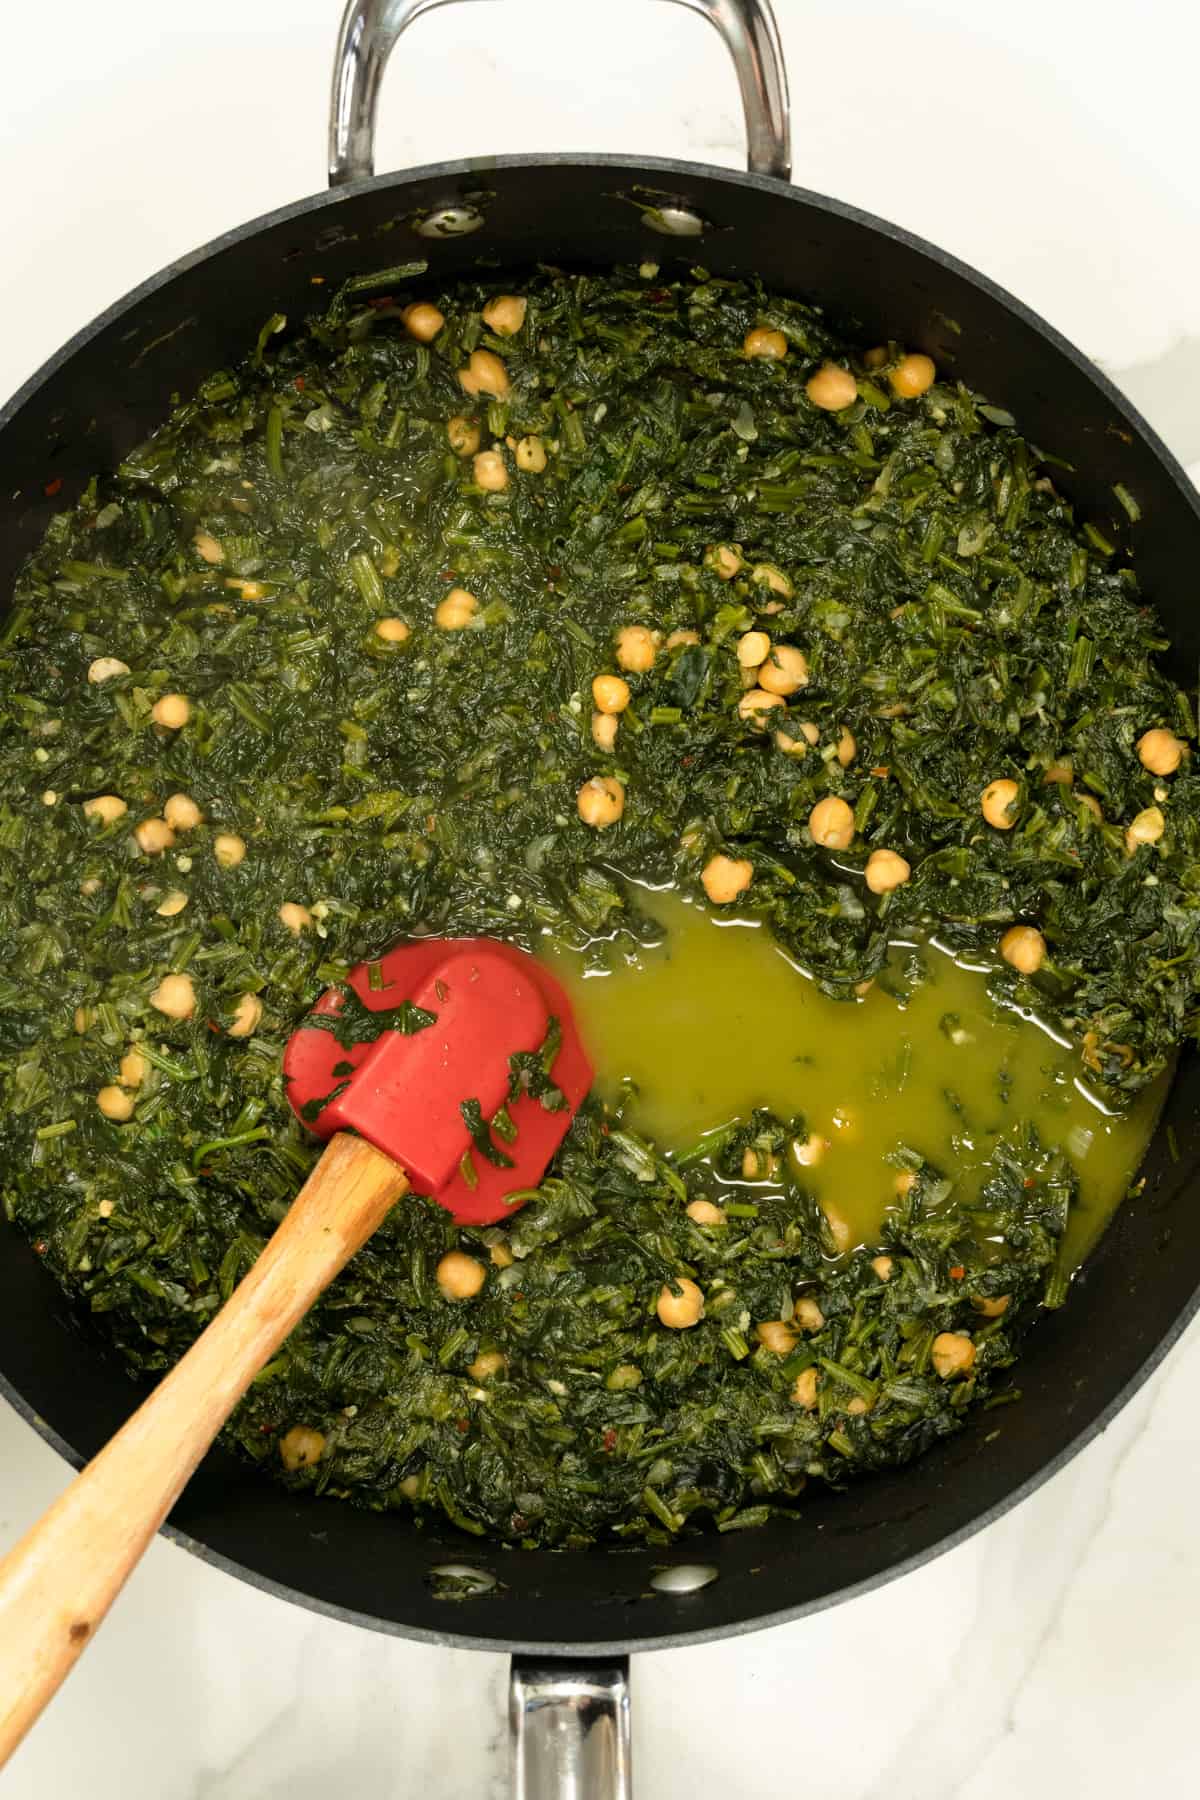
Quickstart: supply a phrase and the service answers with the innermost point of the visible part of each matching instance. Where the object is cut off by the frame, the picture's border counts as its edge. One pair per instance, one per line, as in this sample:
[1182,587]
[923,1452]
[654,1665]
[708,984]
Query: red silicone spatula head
[348,1068]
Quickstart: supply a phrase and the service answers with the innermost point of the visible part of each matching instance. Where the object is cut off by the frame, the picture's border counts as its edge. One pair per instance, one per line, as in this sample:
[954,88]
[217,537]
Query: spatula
[448,1067]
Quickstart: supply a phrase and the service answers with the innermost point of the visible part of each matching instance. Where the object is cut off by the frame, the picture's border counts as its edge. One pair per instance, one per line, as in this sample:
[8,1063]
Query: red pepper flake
[610,1439]
[41,1246]
[53,487]
[957,1272]
[1029,1181]
[463,1424]
[299,383]
[448,574]
[882,772]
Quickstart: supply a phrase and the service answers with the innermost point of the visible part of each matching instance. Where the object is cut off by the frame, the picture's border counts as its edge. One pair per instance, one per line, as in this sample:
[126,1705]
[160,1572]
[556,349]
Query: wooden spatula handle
[59,1581]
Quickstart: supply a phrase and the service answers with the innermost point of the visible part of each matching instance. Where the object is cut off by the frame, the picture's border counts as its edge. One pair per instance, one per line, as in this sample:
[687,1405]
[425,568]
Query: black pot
[112,384]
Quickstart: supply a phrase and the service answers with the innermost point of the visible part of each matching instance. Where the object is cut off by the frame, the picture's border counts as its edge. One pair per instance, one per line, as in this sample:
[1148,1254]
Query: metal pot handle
[569,1727]
[370,29]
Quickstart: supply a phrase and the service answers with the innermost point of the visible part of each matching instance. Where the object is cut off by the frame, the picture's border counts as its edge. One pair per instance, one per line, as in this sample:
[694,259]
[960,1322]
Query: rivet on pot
[449,221]
[674,221]
[461,1580]
[683,1578]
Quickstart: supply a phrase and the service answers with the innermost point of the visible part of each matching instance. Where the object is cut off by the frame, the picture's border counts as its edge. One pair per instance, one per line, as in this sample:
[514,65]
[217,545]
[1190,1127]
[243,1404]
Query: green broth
[716,1020]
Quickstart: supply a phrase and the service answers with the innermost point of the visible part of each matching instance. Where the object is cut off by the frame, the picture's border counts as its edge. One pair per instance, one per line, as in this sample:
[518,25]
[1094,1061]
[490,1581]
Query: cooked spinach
[959,628]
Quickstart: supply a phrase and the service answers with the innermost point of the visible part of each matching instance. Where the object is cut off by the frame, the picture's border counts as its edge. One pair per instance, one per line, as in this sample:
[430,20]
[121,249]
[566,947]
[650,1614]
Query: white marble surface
[1054,146]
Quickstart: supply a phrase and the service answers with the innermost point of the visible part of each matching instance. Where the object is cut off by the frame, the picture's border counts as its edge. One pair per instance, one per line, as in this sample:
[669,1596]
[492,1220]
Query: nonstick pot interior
[116,381]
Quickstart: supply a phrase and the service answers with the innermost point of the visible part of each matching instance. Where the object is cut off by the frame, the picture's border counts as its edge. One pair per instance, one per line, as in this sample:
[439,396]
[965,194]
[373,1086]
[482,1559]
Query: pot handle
[569,1728]
[370,29]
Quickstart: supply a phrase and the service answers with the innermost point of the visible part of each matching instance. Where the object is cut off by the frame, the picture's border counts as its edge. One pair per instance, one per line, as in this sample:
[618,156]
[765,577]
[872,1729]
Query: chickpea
[832,388]
[912,376]
[601,801]
[295,917]
[1145,828]
[531,455]
[755,706]
[839,1226]
[952,1355]
[171,904]
[246,1016]
[456,611]
[831,823]
[104,668]
[808,1152]
[487,1364]
[684,635]
[725,560]
[115,1104]
[459,1276]
[903,1183]
[637,647]
[84,1019]
[875,359]
[484,374]
[998,803]
[762,341]
[785,670]
[804,1390]
[768,576]
[462,435]
[105,807]
[91,885]
[1059,774]
[249,590]
[181,812]
[886,869]
[883,1267]
[703,1212]
[847,746]
[604,730]
[491,471]
[502,1257]
[208,547]
[131,1070]
[172,711]
[808,1314]
[229,849]
[392,631]
[777,1336]
[791,746]
[1160,751]
[300,1447]
[505,315]
[723,878]
[758,1165]
[1024,948]
[154,836]
[175,997]
[410,1487]
[678,1311]
[753,647]
[1093,806]
[610,694]
[992,1306]
[422,321]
